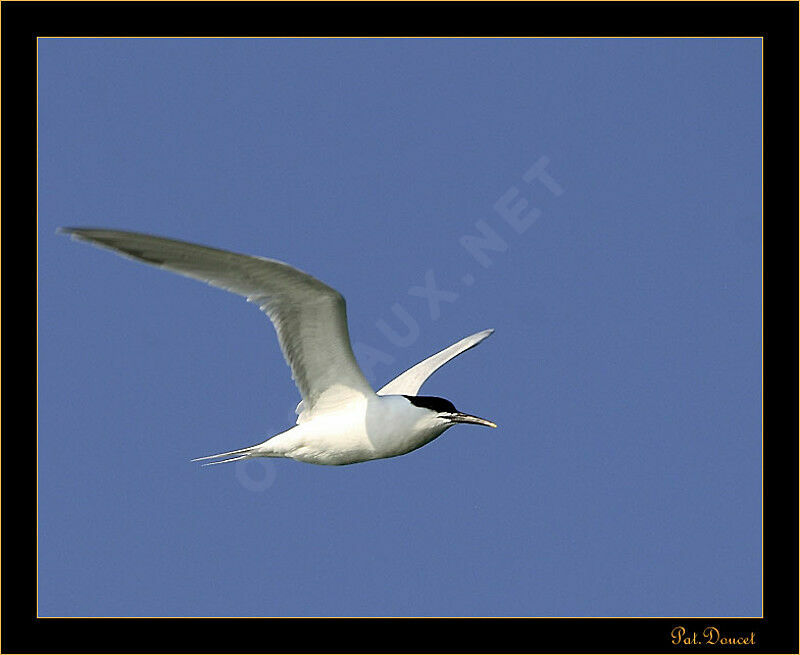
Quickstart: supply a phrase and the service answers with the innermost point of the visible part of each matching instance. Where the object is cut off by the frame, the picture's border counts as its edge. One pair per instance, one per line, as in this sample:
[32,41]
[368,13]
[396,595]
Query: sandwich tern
[340,419]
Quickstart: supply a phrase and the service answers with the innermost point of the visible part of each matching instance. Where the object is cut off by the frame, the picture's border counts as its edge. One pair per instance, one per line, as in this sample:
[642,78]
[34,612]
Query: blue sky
[623,282]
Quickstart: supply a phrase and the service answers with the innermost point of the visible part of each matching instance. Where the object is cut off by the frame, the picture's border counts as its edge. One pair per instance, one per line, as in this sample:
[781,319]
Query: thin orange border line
[394,36]
[402,37]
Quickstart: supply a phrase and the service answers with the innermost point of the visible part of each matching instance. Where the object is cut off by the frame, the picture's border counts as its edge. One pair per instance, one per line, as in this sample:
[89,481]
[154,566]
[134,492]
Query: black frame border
[24,21]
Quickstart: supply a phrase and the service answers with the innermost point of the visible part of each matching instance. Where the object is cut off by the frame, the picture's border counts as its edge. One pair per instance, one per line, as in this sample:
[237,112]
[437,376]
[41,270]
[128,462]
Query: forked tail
[242,453]
[268,448]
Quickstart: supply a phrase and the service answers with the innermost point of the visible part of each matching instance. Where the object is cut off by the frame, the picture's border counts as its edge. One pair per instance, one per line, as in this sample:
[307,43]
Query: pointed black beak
[460,417]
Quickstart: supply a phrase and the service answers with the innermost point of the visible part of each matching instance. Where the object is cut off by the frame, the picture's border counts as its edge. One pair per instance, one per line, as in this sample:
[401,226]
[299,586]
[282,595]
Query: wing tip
[76,233]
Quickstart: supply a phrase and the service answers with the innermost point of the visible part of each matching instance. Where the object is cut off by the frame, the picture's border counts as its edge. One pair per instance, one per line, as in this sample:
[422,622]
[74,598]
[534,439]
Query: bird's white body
[370,428]
[341,420]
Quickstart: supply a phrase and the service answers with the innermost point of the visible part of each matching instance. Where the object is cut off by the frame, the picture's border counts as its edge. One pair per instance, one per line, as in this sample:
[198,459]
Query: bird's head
[444,410]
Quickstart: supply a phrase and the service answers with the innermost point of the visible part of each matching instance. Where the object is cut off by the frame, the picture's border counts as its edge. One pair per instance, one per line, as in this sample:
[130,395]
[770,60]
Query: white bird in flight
[340,419]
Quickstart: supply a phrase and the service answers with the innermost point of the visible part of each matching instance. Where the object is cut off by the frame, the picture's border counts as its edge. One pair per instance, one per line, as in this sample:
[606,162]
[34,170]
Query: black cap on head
[433,403]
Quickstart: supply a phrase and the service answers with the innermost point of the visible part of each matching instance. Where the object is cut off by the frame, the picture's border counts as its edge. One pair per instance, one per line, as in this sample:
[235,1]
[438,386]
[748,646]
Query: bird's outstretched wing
[309,316]
[409,382]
